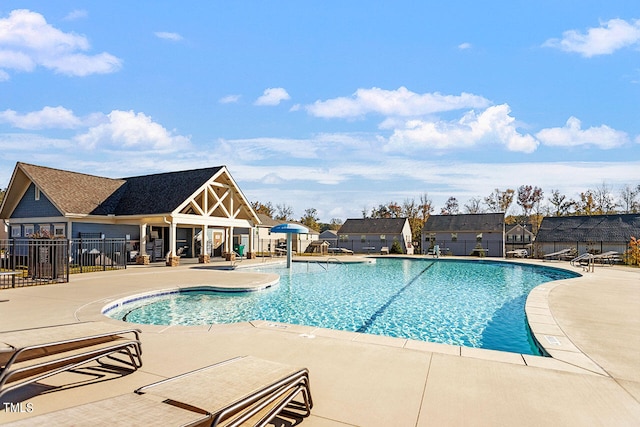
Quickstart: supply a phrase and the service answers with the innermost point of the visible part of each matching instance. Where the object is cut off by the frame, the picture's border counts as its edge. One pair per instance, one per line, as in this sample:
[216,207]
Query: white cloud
[464,46]
[129,130]
[168,36]
[400,102]
[28,41]
[229,99]
[572,135]
[76,14]
[49,117]
[493,125]
[612,35]
[272,96]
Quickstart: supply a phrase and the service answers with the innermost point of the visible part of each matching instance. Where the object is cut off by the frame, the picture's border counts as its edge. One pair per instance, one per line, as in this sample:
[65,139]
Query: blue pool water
[473,304]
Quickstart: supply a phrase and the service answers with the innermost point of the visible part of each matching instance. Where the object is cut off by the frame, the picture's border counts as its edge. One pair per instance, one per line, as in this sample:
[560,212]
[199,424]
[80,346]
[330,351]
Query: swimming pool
[475,304]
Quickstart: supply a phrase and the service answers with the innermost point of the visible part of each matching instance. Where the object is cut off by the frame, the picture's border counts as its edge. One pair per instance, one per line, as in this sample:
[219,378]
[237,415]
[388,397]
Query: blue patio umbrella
[289,229]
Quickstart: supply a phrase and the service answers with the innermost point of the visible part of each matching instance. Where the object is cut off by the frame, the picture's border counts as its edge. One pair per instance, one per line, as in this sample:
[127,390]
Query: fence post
[13,254]
[103,247]
[68,259]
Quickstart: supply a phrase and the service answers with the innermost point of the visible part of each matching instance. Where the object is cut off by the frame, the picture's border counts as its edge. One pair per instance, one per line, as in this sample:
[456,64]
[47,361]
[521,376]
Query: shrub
[395,248]
[632,255]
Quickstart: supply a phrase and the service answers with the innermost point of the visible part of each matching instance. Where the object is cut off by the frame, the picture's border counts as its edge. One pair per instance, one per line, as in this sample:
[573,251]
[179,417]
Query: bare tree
[473,206]
[335,224]
[587,204]
[409,208]
[629,199]
[499,201]
[604,200]
[284,212]
[561,206]
[450,207]
[425,208]
[529,198]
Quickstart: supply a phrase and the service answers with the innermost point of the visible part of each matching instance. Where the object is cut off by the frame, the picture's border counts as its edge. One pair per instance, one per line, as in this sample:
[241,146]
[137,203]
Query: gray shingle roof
[594,228]
[79,193]
[489,222]
[373,225]
[160,193]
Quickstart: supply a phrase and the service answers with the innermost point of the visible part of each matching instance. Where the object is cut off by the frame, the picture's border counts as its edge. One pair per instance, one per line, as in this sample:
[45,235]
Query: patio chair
[243,390]
[30,355]
[240,391]
[557,255]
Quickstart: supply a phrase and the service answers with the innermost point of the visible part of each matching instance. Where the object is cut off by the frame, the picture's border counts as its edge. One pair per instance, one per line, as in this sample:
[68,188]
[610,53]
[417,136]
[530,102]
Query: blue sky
[333,105]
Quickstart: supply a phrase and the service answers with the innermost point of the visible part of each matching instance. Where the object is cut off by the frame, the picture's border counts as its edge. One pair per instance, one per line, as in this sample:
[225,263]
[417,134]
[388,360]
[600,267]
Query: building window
[344,237]
[37,193]
[454,237]
[15,231]
[28,230]
[58,230]
[383,238]
[45,230]
[363,238]
[479,237]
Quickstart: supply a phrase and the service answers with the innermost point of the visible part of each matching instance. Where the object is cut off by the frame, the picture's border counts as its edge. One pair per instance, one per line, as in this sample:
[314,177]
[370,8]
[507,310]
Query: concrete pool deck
[590,325]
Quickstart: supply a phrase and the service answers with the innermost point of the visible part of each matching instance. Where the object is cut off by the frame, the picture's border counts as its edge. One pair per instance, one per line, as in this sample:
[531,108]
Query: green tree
[310,219]
[262,208]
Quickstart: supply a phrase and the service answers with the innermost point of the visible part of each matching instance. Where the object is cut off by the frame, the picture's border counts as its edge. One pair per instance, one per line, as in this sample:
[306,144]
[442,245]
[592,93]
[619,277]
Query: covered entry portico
[218,206]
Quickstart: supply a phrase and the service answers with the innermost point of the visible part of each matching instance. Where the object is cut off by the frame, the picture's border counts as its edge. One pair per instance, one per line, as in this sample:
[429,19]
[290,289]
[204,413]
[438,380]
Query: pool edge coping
[565,357]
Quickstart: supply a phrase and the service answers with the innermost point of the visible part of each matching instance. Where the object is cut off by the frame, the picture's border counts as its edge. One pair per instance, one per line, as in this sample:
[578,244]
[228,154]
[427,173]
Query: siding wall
[465,243]
[110,231]
[28,207]
[354,242]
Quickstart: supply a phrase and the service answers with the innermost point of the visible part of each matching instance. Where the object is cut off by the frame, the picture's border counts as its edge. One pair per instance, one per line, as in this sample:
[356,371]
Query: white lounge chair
[557,255]
[518,253]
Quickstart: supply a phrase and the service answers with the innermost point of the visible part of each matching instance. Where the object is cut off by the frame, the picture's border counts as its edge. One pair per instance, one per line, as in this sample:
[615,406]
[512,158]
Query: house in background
[272,243]
[594,234]
[192,213]
[465,234]
[519,236]
[331,237]
[366,235]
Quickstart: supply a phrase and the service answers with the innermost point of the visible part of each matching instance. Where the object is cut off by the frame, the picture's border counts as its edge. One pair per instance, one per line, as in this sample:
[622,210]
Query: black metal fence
[96,254]
[28,262]
[491,248]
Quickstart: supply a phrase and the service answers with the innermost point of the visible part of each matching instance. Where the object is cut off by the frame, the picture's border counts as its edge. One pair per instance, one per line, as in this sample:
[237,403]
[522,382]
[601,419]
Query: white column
[289,255]
[172,238]
[143,239]
[203,241]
